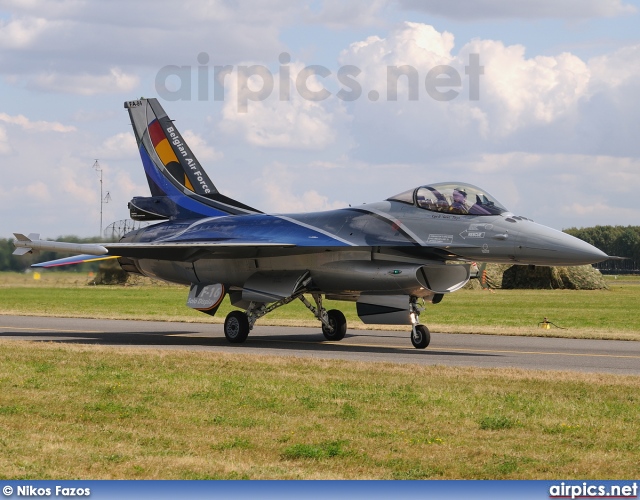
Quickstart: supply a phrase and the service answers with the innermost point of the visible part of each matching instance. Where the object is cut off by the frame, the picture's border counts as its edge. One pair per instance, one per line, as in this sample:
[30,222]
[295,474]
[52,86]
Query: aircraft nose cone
[581,252]
[541,245]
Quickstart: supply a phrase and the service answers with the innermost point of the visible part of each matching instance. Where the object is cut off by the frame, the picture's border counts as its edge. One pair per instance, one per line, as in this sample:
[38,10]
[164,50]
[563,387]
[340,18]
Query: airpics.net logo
[587,490]
[257,82]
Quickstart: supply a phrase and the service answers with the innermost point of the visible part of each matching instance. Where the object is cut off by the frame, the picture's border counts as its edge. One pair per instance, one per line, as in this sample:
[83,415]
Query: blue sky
[553,134]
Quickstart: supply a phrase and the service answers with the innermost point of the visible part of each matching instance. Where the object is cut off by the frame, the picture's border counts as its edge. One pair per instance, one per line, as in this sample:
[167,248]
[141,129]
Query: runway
[487,351]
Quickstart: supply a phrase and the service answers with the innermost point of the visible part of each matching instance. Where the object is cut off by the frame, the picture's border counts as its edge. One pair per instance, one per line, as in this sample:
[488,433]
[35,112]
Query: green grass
[590,310]
[94,412]
[584,314]
[71,411]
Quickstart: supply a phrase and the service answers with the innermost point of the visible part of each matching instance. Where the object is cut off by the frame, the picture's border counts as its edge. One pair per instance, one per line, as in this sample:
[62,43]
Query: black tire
[338,323]
[236,327]
[420,337]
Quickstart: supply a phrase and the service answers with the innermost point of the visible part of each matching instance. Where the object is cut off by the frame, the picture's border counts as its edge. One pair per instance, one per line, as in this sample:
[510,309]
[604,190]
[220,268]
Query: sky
[305,106]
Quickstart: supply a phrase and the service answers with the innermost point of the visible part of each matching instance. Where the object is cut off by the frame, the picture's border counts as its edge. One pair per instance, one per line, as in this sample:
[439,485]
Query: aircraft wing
[155,250]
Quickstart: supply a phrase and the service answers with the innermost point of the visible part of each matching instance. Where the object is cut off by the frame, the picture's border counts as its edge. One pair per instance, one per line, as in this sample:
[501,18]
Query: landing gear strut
[334,324]
[238,324]
[420,336]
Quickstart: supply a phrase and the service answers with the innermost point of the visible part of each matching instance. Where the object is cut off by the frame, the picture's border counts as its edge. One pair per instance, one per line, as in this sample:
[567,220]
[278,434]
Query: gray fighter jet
[389,257]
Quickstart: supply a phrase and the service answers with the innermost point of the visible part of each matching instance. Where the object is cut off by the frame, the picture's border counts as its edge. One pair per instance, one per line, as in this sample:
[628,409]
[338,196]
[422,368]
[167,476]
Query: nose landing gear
[420,336]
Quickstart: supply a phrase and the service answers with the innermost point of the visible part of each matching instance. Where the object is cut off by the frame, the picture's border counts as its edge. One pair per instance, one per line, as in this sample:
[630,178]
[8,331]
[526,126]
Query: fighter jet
[391,257]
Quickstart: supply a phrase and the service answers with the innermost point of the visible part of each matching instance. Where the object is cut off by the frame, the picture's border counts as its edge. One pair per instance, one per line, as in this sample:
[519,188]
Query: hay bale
[491,274]
[540,277]
[110,273]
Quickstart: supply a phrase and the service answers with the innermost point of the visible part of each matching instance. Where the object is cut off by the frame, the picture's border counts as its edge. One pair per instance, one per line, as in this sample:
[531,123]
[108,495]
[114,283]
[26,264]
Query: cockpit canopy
[452,198]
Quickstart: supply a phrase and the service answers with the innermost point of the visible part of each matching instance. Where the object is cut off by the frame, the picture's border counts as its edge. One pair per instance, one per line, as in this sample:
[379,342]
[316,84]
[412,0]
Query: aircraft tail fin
[180,188]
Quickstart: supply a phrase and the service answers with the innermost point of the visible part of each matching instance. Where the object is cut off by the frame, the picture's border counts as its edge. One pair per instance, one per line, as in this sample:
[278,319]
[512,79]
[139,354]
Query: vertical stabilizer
[179,185]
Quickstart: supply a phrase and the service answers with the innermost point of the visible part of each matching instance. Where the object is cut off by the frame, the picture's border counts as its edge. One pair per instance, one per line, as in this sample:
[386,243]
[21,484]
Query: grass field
[93,412]
[607,314]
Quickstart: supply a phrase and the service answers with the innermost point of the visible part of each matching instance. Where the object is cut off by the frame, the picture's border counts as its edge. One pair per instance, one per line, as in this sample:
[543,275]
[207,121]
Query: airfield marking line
[258,339]
[48,329]
[459,349]
[584,355]
[397,348]
[379,346]
[439,348]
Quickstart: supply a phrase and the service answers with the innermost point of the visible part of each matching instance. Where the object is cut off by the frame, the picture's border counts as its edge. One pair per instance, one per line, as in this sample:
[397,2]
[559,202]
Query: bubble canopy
[453,198]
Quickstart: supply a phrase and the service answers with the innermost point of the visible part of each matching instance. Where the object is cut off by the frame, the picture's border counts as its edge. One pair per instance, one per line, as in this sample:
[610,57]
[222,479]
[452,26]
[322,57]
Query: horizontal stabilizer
[77,259]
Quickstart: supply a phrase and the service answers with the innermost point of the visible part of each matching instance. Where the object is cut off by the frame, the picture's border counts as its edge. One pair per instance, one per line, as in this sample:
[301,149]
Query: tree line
[621,241]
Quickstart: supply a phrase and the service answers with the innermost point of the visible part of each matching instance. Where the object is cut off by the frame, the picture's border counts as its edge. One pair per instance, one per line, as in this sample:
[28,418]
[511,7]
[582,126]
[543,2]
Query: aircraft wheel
[236,327]
[339,324]
[420,336]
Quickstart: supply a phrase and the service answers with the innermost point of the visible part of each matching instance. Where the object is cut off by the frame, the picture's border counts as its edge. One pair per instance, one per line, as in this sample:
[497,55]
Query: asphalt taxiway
[488,351]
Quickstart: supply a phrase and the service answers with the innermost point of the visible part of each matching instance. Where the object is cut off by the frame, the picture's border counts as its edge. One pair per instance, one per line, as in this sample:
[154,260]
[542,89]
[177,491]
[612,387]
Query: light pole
[103,199]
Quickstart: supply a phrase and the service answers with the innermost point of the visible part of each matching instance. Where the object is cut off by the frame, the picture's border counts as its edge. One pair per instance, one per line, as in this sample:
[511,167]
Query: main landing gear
[238,324]
[236,327]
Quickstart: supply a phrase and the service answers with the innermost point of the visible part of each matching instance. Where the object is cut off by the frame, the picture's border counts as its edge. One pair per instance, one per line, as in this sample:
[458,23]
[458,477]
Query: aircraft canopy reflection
[457,198]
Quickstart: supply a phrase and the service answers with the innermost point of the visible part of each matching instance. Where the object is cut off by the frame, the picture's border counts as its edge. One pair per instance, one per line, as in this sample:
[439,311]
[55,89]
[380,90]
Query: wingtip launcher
[27,244]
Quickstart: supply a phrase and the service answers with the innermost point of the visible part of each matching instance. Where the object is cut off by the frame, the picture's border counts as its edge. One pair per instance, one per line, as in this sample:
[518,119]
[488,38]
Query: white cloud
[337,14]
[517,91]
[616,69]
[200,148]
[114,81]
[119,146]
[279,196]
[49,186]
[558,190]
[509,9]
[5,147]
[94,115]
[22,33]
[553,137]
[89,48]
[549,104]
[37,126]
[38,190]
[294,123]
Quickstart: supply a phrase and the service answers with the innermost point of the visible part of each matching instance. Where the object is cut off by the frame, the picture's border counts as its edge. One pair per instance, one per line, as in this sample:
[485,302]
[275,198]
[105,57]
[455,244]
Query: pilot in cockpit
[459,205]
